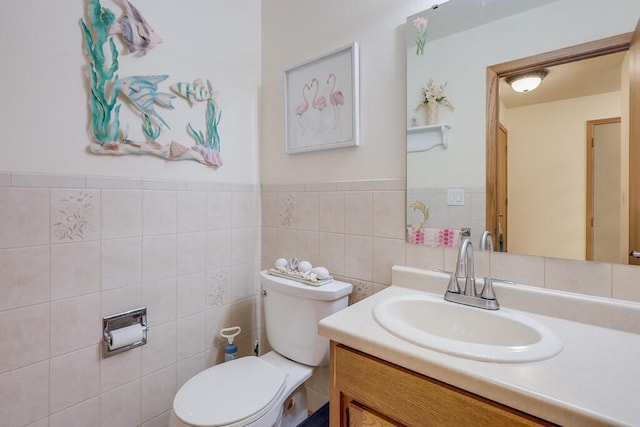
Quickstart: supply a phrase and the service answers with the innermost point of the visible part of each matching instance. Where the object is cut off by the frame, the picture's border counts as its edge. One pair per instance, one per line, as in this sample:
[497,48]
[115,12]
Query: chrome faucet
[486,242]
[464,273]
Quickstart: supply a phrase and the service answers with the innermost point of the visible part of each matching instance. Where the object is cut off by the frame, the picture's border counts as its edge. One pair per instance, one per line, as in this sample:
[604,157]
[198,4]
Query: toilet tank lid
[329,292]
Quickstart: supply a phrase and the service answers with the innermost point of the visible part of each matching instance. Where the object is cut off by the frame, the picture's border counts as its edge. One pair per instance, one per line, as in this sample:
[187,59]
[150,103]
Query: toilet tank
[292,312]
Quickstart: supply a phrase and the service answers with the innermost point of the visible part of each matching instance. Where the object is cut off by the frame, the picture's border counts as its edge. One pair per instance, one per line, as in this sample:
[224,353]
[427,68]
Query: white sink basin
[499,336]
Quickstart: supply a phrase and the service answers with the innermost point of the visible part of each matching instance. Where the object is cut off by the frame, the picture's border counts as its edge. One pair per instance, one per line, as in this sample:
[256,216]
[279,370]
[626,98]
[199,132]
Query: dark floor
[320,418]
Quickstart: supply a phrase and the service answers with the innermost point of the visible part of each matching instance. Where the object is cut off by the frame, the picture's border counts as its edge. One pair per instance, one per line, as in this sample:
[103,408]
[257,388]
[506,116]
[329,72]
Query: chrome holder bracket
[122,320]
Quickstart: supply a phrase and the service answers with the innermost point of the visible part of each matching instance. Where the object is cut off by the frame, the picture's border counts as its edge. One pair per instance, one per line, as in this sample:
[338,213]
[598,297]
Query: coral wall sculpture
[102,73]
[208,145]
[139,92]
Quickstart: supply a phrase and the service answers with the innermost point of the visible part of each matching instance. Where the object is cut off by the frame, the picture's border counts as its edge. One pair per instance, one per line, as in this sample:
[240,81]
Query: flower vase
[432,113]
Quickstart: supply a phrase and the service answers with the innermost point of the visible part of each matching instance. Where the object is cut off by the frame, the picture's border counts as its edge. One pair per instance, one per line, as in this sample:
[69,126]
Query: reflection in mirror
[445,188]
[567,191]
[543,151]
[450,182]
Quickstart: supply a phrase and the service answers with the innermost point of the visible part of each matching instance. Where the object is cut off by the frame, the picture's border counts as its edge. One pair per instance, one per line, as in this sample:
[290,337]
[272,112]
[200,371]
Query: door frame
[619,43]
[634,144]
[504,230]
[591,124]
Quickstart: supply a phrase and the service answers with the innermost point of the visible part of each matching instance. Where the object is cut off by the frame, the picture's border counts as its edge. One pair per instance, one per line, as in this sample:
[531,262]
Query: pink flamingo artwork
[336,98]
[318,103]
[303,107]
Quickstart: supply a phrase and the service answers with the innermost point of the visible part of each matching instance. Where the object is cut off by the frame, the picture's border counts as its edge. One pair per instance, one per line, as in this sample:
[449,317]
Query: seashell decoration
[301,271]
[321,272]
[176,150]
[304,266]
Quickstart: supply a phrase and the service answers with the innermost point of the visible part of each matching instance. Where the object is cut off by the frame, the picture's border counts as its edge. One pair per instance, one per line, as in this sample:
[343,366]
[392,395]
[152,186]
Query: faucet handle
[487,289]
[453,282]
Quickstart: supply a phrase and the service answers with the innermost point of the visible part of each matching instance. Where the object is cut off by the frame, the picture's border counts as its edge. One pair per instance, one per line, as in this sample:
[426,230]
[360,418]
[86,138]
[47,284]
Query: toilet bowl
[252,393]
[269,390]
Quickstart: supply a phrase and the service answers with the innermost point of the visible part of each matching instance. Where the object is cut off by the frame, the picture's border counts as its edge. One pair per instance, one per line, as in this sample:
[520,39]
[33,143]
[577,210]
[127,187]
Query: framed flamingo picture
[322,102]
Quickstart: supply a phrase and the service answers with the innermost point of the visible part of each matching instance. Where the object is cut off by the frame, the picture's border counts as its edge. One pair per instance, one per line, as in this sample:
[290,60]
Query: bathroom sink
[501,336]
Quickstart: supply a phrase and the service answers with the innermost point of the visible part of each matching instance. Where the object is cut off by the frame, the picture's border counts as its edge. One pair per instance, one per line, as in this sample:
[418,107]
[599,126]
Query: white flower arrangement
[432,94]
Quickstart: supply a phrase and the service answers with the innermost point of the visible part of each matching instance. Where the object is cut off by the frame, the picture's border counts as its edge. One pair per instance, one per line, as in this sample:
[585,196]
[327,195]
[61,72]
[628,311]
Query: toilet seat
[245,390]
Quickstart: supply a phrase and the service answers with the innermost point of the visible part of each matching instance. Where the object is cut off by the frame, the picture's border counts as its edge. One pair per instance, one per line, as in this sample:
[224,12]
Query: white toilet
[269,390]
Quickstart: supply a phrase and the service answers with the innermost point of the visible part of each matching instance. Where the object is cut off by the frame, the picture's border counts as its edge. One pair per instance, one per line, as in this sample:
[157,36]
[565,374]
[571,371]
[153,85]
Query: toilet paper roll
[124,336]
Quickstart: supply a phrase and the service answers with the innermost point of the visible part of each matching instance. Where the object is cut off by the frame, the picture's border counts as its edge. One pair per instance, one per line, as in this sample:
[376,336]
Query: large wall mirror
[554,185]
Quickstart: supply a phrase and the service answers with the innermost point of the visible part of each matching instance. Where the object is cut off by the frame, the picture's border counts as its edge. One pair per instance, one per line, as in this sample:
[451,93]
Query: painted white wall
[44,116]
[309,29]
[547,174]
[461,60]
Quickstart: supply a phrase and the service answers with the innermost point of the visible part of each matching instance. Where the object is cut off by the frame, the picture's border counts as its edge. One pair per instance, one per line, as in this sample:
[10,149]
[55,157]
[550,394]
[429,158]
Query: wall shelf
[424,138]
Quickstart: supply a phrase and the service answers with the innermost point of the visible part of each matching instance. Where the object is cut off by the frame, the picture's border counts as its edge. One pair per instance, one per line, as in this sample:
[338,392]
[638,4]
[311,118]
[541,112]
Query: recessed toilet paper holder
[135,322]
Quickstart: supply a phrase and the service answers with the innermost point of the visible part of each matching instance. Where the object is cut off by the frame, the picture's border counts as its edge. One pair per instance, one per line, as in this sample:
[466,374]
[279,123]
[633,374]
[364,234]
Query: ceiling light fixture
[526,82]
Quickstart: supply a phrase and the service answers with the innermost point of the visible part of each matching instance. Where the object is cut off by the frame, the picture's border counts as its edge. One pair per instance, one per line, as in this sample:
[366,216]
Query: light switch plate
[455,197]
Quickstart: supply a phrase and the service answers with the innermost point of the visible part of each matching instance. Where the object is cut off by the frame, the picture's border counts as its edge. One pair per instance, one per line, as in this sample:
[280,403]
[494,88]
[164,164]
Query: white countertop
[595,380]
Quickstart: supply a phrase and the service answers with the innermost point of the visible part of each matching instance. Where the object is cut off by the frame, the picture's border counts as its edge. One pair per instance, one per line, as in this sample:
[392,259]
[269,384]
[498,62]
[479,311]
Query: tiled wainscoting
[357,230]
[76,248]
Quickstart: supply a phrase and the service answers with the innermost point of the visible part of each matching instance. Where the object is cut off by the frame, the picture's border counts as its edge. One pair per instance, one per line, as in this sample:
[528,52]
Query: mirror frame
[614,44]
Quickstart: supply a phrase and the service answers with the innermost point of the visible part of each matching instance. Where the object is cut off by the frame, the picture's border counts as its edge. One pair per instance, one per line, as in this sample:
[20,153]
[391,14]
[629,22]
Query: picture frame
[322,100]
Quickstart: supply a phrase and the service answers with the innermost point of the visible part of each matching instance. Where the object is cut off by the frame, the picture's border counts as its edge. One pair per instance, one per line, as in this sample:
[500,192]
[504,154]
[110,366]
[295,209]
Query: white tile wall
[121,213]
[25,213]
[158,390]
[25,394]
[75,269]
[28,270]
[121,262]
[25,336]
[75,377]
[75,248]
[85,414]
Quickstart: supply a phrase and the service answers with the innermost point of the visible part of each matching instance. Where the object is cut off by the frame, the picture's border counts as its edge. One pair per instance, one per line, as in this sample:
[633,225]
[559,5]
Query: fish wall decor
[136,32]
[142,93]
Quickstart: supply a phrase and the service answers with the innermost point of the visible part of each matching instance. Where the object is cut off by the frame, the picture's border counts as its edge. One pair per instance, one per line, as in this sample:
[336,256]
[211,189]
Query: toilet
[268,390]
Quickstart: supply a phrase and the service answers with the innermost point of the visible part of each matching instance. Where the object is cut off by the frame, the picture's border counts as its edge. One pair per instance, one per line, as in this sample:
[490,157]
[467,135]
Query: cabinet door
[363,417]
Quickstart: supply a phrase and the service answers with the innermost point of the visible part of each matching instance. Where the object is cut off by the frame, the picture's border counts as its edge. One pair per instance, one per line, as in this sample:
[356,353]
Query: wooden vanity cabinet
[366,391]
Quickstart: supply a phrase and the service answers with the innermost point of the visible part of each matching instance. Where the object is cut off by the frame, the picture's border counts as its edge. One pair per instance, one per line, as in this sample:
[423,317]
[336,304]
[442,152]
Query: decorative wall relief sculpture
[103,65]
[208,145]
[141,93]
[136,33]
